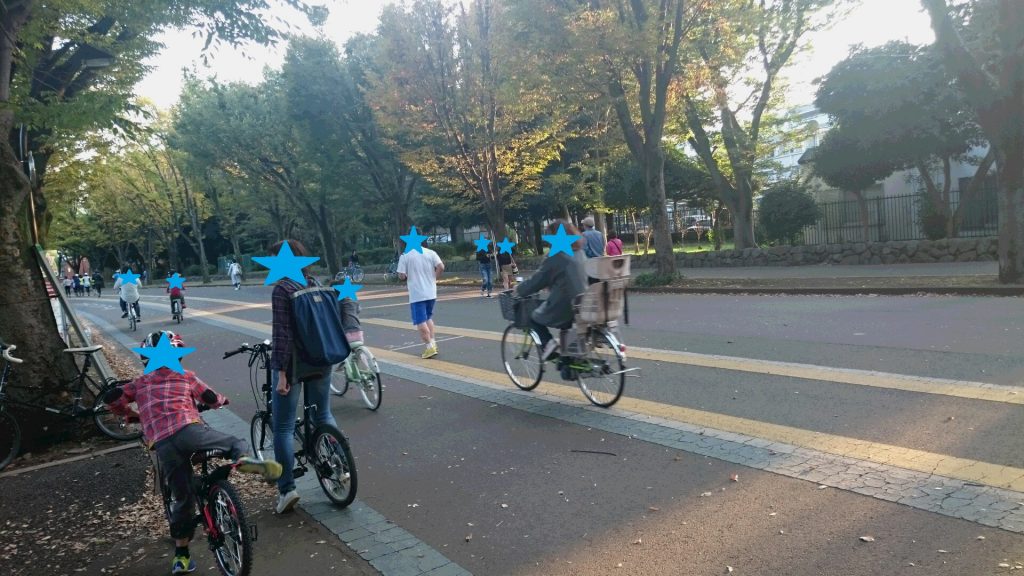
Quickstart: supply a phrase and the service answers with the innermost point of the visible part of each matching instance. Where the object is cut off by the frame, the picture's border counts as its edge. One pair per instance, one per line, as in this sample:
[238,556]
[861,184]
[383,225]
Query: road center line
[905,382]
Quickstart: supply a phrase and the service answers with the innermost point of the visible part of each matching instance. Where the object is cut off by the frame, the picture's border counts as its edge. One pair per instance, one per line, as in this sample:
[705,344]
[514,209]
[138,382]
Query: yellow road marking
[918,460]
[908,383]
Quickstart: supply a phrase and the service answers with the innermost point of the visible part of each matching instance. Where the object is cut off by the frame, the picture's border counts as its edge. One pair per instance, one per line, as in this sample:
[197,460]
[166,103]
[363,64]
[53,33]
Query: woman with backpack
[288,370]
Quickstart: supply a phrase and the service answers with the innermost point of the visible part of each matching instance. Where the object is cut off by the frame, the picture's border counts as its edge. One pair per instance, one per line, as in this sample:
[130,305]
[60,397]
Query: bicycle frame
[74,409]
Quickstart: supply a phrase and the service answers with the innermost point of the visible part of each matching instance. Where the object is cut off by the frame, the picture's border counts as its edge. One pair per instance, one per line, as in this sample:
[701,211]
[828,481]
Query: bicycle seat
[84,349]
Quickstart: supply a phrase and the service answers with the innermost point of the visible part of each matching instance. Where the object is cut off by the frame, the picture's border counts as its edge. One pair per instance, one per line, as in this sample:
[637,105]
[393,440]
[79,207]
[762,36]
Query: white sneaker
[285,502]
[549,349]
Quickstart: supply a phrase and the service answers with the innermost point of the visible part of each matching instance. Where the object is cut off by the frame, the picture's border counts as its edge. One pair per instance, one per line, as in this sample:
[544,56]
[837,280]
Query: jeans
[485,272]
[284,411]
[124,308]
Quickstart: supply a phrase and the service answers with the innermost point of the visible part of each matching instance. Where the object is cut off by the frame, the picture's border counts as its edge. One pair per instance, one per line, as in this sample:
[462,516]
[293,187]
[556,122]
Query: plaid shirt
[167,401]
[282,327]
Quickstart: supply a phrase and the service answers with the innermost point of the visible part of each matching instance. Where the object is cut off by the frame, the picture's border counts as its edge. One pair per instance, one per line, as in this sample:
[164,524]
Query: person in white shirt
[235,272]
[129,292]
[420,271]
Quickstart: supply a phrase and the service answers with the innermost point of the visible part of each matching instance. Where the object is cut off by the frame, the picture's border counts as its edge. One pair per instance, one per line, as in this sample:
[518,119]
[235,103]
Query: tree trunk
[197,231]
[636,233]
[654,182]
[1011,212]
[538,231]
[865,219]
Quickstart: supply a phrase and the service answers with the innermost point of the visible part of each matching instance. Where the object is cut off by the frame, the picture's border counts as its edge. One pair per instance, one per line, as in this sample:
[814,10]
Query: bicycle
[219,510]
[367,379]
[112,425]
[324,447]
[591,353]
[352,271]
[176,310]
[133,316]
[391,275]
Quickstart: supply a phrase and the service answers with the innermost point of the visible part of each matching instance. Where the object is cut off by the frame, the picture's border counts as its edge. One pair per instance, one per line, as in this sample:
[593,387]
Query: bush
[465,250]
[654,279]
[786,208]
[445,251]
[193,270]
[376,256]
[932,221]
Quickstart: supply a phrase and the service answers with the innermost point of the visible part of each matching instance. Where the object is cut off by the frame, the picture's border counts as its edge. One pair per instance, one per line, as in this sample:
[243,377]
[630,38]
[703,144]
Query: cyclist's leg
[320,396]
[283,411]
[138,310]
[124,306]
[542,331]
[176,470]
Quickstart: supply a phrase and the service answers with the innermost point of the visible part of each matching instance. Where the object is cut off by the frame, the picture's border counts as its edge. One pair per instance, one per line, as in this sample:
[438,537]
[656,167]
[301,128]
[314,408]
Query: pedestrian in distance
[614,246]
[78,285]
[168,411]
[507,268]
[420,271]
[594,239]
[98,283]
[291,365]
[68,285]
[235,272]
[565,277]
[484,257]
[87,284]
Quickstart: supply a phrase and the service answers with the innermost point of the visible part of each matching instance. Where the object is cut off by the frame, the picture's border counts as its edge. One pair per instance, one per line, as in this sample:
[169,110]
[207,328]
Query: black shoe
[125,315]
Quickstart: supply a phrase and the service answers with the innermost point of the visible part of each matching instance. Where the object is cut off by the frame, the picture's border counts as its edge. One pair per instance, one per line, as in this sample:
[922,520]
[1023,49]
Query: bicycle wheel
[596,372]
[369,376]
[10,439]
[521,357]
[232,543]
[261,433]
[357,275]
[335,468]
[339,382]
[114,425]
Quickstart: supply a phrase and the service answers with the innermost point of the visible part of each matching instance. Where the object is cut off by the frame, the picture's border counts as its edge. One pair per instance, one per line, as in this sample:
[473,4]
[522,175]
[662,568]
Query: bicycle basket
[518,310]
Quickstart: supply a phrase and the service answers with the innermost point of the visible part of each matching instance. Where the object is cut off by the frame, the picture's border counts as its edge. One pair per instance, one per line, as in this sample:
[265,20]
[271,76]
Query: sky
[871,22]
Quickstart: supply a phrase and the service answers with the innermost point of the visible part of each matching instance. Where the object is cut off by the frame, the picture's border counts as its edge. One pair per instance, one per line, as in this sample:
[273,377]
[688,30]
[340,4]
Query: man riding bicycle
[168,410]
[129,292]
[565,278]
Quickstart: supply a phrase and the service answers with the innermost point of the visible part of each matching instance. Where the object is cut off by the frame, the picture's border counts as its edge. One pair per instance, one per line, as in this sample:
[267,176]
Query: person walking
[78,285]
[287,371]
[483,257]
[87,284]
[68,284]
[594,246]
[614,246]
[420,271]
[98,283]
[506,267]
[235,272]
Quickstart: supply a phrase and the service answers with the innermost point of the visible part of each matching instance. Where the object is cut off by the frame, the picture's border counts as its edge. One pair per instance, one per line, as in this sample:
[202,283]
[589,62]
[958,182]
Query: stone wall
[915,251]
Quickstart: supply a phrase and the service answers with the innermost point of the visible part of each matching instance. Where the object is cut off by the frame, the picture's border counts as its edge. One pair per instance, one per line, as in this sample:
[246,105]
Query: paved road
[896,418]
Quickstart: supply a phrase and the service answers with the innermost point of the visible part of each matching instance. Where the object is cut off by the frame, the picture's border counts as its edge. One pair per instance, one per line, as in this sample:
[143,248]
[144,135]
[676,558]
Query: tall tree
[983,45]
[743,50]
[459,93]
[49,80]
[897,98]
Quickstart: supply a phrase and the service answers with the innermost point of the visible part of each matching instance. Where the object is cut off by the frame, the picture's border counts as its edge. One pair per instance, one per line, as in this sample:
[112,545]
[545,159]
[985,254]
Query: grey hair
[588,221]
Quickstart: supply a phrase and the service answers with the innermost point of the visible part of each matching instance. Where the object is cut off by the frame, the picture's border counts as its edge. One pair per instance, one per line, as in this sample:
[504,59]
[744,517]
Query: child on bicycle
[177,293]
[353,332]
[168,410]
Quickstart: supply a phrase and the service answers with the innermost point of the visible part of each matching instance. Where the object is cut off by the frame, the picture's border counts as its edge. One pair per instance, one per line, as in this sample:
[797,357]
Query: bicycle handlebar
[7,355]
[246,347]
[243,348]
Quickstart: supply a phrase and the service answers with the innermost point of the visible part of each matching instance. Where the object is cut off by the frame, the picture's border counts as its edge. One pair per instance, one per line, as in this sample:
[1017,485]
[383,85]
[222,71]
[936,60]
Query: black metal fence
[897,218]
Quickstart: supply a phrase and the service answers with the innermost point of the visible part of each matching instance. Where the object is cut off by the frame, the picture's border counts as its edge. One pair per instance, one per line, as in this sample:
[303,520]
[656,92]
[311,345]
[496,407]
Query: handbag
[515,267]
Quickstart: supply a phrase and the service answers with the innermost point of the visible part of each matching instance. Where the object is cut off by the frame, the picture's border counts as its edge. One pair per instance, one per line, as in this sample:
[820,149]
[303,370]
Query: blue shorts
[422,311]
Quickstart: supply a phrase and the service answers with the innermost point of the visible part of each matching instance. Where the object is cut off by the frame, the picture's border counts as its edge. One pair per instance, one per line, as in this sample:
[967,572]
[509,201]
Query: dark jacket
[565,278]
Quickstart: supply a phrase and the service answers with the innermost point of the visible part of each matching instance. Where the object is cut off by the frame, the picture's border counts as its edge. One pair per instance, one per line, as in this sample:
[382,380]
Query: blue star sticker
[348,289]
[285,265]
[505,246]
[176,281]
[482,244]
[413,241]
[560,241]
[163,355]
[129,278]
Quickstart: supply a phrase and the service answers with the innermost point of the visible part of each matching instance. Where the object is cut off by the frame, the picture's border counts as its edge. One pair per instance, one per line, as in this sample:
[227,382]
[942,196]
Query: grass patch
[681,249]
[654,279]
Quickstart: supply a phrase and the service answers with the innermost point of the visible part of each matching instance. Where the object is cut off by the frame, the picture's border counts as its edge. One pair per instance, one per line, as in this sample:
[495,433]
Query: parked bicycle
[360,370]
[391,275]
[112,425]
[323,447]
[590,352]
[353,271]
[219,510]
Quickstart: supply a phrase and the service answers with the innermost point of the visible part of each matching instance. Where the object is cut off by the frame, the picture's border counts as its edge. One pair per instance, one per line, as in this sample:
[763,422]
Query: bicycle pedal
[299,472]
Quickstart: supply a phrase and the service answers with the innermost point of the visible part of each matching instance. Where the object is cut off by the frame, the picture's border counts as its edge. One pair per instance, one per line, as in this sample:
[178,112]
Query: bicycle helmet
[154,338]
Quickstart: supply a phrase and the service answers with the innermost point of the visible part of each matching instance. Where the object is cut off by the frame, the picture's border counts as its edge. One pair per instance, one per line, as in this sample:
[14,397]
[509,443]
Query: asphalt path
[584,501]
